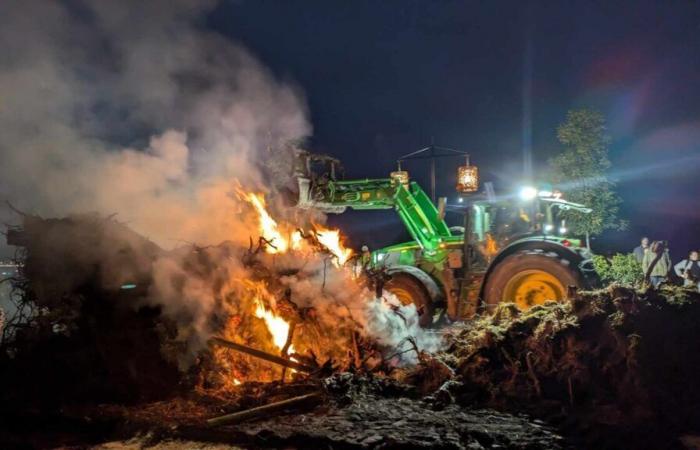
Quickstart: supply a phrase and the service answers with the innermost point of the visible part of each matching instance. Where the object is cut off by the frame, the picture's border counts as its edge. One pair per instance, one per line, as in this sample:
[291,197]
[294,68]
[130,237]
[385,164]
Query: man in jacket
[656,263]
[638,251]
[689,270]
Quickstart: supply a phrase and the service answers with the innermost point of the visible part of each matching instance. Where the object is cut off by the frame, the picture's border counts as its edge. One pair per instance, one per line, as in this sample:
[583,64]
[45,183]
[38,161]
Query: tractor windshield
[497,223]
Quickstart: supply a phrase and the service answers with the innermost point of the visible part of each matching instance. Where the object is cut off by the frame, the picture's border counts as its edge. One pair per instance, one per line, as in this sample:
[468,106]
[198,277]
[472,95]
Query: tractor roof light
[467,178]
[528,193]
[399,176]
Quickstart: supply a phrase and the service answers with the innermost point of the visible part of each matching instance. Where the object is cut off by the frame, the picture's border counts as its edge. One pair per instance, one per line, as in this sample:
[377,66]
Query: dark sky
[383,78]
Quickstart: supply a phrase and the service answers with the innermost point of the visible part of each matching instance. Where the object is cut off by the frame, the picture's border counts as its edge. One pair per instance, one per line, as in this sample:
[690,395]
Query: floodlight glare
[563,230]
[528,193]
[549,227]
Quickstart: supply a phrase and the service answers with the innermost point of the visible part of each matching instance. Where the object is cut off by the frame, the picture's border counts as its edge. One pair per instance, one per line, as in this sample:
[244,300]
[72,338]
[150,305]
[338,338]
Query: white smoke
[132,108]
[395,325]
[337,297]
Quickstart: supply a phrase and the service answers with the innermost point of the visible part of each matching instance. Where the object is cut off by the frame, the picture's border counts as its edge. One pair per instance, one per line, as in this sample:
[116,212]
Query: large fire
[269,229]
[286,238]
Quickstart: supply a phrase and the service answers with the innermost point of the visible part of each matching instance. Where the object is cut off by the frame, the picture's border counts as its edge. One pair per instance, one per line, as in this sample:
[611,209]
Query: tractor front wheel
[409,290]
[531,278]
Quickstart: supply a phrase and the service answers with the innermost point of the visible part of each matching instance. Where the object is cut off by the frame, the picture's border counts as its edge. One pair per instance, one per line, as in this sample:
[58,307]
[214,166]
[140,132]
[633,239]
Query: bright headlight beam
[528,193]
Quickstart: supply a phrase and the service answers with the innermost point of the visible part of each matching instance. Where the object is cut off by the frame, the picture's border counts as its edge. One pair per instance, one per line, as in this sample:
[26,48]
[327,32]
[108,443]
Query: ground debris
[407,423]
[359,412]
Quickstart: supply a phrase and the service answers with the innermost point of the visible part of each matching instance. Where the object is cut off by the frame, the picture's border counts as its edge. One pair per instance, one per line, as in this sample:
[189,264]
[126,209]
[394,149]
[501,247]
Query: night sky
[386,78]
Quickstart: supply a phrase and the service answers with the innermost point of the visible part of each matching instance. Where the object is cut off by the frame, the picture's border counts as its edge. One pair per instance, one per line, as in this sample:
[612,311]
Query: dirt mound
[617,357]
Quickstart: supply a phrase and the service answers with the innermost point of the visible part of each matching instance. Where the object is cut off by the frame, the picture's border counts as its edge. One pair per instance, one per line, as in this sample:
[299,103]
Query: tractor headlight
[528,193]
[549,227]
[563,230]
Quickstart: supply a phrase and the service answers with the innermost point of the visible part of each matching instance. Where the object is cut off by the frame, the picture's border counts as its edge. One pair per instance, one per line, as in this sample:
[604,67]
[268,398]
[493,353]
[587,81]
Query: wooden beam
[265,410]
[262,355]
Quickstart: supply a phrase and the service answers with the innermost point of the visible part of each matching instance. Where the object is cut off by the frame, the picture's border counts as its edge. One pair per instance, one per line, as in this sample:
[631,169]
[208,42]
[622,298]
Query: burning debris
[293,297]
[118,319]
[250,334]
[287,325]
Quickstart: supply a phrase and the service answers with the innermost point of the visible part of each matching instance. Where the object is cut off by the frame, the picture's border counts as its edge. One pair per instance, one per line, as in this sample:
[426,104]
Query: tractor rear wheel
[409,290]
[531,278]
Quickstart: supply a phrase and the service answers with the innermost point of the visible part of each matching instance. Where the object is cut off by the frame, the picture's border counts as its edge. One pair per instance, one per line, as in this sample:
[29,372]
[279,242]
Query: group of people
[655,256]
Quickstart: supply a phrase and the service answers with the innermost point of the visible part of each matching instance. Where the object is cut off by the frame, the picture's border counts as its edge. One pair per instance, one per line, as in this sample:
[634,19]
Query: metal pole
[432,173]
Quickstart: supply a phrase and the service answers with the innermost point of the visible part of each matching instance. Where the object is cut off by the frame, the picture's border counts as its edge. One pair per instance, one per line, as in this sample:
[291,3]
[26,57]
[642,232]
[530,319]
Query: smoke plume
[134,108]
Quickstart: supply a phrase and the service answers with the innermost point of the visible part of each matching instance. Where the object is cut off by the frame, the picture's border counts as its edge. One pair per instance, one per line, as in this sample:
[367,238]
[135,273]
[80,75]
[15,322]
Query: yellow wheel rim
[402,294]
[533,287]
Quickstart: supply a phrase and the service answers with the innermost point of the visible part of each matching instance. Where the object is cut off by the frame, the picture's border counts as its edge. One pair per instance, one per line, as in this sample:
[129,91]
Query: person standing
[639,250]
[689,270]
[656,263]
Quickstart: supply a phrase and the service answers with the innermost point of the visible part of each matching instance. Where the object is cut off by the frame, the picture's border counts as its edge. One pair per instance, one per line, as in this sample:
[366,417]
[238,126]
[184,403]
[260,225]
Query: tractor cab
[500,222]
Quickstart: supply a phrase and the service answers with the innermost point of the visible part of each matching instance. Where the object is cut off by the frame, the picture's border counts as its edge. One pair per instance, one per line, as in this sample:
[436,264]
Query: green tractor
[506,250]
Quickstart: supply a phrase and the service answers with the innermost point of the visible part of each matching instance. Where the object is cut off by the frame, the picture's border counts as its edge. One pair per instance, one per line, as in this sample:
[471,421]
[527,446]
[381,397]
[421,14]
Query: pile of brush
[612,358]
[114,317]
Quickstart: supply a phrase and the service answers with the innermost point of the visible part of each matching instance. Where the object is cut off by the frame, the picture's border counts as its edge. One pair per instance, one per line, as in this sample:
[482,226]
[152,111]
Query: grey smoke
[133,108]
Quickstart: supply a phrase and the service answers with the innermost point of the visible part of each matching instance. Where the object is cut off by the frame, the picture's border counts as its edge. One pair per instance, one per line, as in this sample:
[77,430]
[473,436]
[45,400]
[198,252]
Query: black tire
[408,289]
[513,268]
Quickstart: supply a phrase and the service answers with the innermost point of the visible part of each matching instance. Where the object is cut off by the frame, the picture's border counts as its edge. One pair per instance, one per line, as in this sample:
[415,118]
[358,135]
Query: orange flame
[296,240]
[277,326]
[331,240]
[268,225]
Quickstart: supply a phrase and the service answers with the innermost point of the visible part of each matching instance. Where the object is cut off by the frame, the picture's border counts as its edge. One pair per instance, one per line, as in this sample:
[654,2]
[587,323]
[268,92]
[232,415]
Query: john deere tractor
[511,249]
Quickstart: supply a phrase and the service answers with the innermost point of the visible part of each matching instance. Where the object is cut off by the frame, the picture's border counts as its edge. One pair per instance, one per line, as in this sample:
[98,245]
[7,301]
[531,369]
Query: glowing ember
[277,326]
[268,225]
[236,382]
[331,240]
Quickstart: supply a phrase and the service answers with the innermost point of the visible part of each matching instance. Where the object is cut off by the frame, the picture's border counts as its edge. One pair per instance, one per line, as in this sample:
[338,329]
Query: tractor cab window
[495,224]
[510,220]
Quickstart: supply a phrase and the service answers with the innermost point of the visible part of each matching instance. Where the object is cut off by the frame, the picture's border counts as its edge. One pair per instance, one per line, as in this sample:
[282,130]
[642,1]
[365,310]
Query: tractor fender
[579,258]
[426,280]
